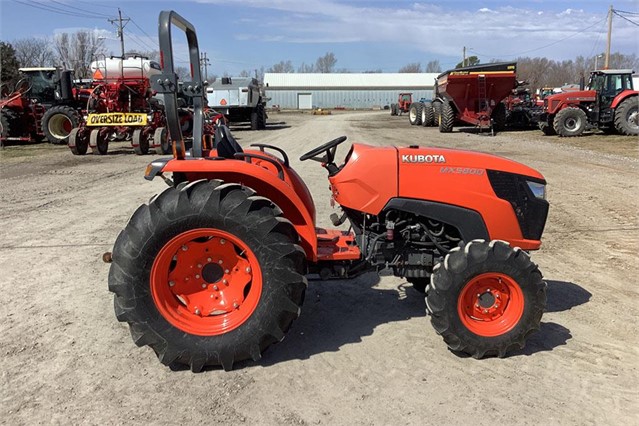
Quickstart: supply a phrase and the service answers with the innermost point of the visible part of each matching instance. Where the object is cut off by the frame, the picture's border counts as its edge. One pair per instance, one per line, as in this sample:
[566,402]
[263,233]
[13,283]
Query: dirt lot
[363,351]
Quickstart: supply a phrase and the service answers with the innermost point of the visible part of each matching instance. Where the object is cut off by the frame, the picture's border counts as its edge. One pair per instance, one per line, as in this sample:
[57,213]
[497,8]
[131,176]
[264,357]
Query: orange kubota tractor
[214,269]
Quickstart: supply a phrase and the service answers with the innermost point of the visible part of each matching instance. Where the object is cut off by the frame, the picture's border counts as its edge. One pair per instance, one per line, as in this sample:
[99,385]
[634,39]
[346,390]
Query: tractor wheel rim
[633,118]
[490,304]
[206,282]
[572,123]
[60,126]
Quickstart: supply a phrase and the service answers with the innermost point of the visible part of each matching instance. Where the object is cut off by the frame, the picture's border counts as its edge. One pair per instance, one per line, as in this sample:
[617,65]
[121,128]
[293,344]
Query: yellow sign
[117,119]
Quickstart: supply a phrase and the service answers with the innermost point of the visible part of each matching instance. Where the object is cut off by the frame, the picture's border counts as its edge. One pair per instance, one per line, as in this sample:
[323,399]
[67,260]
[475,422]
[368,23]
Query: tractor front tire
[627,117]
[415,113]
[428,115]
[486,298]
[57,123]
[570,122]
[161,141]
[447,118]
[208,274]
[393,109]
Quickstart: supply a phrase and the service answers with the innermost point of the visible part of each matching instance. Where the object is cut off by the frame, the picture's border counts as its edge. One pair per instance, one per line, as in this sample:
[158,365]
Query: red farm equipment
[43,104]
[214,269]
[471,95]
[404,100]
[122,105]
[610,103]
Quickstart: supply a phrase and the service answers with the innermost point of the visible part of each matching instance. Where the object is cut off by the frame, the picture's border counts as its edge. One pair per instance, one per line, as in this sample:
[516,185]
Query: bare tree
[414,67]
[470,61]
[152,55]
[306,68]
[433,66]
[183,73]
[34,52]
[326,63]
[245,73]
[78,50]
[377,71]
[282,67]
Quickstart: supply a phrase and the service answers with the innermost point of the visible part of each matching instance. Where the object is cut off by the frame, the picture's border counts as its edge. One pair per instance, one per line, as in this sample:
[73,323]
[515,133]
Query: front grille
[531,211]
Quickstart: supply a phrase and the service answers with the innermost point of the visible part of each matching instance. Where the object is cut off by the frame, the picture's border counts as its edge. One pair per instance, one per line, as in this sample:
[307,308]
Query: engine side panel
[459,178]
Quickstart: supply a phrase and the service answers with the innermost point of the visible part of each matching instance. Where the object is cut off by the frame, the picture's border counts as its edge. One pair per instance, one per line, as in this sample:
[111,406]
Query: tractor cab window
[406,98]
[42,85]
[615,84]
[596,82]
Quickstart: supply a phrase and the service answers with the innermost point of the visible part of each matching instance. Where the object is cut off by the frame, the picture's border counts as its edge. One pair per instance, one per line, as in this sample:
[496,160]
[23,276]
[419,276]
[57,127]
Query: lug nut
[203,285]
[184,248]
[485,311]
[222,241]
[171,283]
[497,296]
[477,305]
[199,265]
[225,282]
[236,305]
[226,271]
[208,259]
[197,311]
[248,270]
[215,288]
[197,276]
[220,261]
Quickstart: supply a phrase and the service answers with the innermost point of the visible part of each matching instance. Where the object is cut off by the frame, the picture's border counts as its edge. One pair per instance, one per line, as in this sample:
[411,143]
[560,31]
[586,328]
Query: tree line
[77,50]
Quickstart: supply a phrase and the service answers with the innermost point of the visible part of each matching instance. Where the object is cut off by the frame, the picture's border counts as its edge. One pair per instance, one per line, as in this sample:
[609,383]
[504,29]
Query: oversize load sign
[117,119]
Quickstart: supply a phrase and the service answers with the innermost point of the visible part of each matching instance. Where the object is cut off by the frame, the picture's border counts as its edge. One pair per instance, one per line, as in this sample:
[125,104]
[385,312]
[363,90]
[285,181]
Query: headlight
[538,189]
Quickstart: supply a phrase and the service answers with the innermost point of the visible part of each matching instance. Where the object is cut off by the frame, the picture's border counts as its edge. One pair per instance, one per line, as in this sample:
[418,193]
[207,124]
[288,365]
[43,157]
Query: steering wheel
[23,85]
[329,148]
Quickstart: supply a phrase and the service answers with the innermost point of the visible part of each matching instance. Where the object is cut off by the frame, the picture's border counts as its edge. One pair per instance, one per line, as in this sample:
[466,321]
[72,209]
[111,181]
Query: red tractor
[122,105]
[404,100]
[609,103]
[214,269]
[44,103]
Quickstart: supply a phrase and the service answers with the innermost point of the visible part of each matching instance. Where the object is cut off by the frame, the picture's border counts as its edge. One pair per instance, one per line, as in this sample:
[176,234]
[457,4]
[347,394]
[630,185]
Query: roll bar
[167,84]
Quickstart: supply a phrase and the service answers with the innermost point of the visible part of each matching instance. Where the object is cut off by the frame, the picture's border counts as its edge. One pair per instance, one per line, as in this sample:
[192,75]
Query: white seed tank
[133,67]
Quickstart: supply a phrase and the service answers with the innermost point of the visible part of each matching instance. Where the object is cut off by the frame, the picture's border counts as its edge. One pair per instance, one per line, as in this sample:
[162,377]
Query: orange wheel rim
[490,304]
[206,282]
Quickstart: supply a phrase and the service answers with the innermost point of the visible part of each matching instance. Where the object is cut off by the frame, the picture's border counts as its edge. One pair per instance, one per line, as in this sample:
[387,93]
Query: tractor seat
[225,143]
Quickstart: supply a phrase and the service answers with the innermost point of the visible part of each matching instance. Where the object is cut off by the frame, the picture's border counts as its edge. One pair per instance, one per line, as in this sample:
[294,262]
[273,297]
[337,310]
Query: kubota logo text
[419,158]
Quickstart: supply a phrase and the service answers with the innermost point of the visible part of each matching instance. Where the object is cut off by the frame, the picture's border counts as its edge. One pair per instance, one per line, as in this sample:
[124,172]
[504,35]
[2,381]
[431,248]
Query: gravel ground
[363,351]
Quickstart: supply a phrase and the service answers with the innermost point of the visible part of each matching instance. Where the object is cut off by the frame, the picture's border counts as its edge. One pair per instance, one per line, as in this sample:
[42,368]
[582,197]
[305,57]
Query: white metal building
[307,91]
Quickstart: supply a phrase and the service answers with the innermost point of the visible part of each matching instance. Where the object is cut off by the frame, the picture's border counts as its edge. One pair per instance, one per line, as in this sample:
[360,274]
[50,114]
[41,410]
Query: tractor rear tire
[100,141]
[57,123]
[172,289]
[499,117]
[627,117]
[415,114]
[140,142]
[393,109]
[161,140]
[547,129]
[570,122]
[447,118]
[78,142]
[428,115]
[486,298]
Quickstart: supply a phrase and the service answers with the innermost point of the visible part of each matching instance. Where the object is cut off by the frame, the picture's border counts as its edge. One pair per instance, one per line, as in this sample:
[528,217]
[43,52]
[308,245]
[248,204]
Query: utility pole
[120,28]
[464,56]
[607,62]
[204,61]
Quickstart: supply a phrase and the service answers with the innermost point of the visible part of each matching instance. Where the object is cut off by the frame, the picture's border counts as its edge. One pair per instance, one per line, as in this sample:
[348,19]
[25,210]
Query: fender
[289,194]
[622,97]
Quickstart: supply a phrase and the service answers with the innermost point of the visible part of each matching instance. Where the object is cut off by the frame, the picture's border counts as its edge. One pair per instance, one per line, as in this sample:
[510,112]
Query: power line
[58,11]
[627,13]
[90,12]
[623,17]
[545,46]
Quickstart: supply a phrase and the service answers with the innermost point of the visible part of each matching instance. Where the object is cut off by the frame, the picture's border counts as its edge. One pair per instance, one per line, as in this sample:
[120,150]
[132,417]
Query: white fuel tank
[133,67]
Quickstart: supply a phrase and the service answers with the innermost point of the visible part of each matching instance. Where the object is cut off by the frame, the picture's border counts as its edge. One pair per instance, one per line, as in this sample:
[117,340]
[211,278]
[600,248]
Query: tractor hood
[371,176]
[553,102]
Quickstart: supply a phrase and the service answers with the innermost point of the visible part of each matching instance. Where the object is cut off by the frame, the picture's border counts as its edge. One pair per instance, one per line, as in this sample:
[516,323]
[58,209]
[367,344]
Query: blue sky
[364,35]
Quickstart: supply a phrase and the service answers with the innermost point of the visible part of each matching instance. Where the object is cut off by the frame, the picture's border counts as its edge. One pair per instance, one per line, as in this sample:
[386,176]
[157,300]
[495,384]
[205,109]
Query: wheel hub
[205,282]
[490,304]
[633,119]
